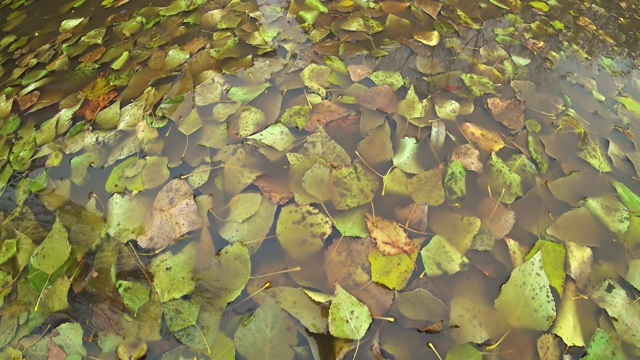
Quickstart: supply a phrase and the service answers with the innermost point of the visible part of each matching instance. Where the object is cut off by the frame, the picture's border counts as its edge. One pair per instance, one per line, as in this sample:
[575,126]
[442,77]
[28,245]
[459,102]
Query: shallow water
[387,95]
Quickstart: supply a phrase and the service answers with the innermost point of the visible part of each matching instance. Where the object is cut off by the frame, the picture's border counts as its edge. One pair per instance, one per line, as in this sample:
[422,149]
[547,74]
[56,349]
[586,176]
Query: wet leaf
[525,300]
[630,199]
[376,147]
[243,206]
[553,256]
[352,186]
[69,338]
[348,317]
[351,222]
[126,216]
[300,305]
[392,271]
[447,109]
[420,304]
[623,310]
[406,156]
[464,351]
[389,237]
[440,257]
[427,187]
[413,216]
[267,334]
[593,153]
[277,136]
[485,139]
[604,345]
[611,212]
[255,227]
[218,287]
[174,214]
[302,230]
[567,325]
[316,78]
[478,84]
[54,250]
[502,180]
[455,187]
[381,97]
[173,273]
[509,113]
[244,94]
[468,156]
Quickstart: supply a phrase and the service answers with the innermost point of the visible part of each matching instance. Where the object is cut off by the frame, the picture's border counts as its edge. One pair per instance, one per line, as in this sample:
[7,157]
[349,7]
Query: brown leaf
[434,328]
[413,216]
[93,55]
[324,113]
[469,157]
[389,237]
[174,214]
[484,138]
[195,44]
[28,100]
[358,72]
[499,217]
[94,106]
[431,7]
[510,113]
[379,97]
[275,190]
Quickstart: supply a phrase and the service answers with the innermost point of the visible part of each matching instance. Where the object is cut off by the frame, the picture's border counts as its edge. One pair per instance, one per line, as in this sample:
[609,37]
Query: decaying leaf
[174,214]
[389,237]
[509,113]
[484,138]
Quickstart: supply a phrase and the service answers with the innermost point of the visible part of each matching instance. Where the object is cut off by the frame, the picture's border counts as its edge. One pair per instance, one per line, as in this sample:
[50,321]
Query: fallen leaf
[389,237]
[509,113]
[94,106]
[485,139]
[28,100]
[274,190]
[358,72]
[379,97]
[468,156]
[324,113]
[174,214]
[413,216]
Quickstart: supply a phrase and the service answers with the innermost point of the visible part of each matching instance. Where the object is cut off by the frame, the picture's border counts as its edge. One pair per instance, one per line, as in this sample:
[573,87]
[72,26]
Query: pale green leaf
[348,317]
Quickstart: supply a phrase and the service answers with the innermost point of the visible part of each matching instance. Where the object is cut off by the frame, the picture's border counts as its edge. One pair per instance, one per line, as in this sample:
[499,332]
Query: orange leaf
[389,237]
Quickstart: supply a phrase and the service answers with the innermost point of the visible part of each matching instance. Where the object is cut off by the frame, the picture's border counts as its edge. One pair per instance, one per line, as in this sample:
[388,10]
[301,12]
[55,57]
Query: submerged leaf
[611,212]
[302,230]
[440,257]
[623,310]
[502,180]
[352,186]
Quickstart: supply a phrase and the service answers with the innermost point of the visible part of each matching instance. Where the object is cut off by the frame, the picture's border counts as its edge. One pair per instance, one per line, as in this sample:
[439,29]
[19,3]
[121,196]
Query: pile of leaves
[261,175]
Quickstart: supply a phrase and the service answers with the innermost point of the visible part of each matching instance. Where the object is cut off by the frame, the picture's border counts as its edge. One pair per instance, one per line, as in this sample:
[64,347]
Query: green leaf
[593,153]
[297,116]
[391,78]
[134,294]
[70,339]
[244,94]
[267,334]
[69,24]
[316,78]
[525,300]
[348,317]
[440,257]
[316,5]
[302,230]
[447,109]
[631,104]
[351,222]
[243,206]
[406,156]
[53,251]
[427,187]
[540,5]
[411,107]
[173,273]
[501,178]
[630,199]
[455,187]
[567,325]
[464,352]
[9,249]
[611,212]
[478,84]
[126,216]
[623,310]
[277,136]
[633,274]
[604,345]
[351,186]
[255,227]
[392,271]
[553,255]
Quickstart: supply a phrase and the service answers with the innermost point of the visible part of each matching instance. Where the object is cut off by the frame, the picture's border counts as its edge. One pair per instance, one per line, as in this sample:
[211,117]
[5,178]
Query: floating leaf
[243,206]
[447,109]
[567,325]
[478,84]
[348,317]
[411,107]
[244,94]
[392,271]
[592,152]
[174,214]
[300,305]
[302,229]
[351,222]
[604,345]
[173,273]
[267,334]
[509,113]
[352,186]
[217,286]
[485,139]
[553,255]
[277,136]
[316,78]
[389,237]
[630,199]
[376,147]
[455,187]
[54,250]
[525,300]
[420,304]
[440,257]
[468,156]
[255,227]
[502,180]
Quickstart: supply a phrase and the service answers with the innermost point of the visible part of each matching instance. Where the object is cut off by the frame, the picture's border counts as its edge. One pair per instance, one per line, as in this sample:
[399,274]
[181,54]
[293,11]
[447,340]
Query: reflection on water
[511,124]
